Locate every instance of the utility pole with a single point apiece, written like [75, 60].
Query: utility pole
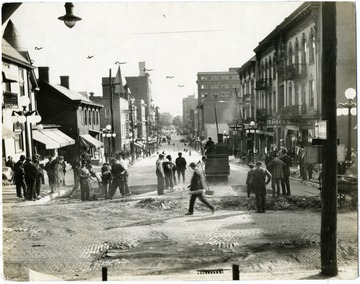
[112, 112]
[328, 236]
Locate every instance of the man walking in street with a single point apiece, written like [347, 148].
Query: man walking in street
[286, 170]
[180, 166]
[259, 184]
[197, 189]
[276, 169]
[160, 174]
[106, 179]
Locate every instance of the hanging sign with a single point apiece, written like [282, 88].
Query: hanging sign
[321, 129]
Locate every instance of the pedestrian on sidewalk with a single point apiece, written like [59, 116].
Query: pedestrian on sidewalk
[76, 165]
[117, 171]
[160, 174]
[39, 179]
[50, 173]
[84, 175]
[249, 185]
[122, 159]
[259, 175]
[59, 172]
[10, 164]
[30, 178]
[19, 177]
[276, 169]
[180, 166]
[197, 190]
[286, 171]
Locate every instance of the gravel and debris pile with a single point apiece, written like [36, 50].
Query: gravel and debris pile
[281, 203]
[153, 203]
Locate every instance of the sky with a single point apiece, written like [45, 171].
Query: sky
[175, 38]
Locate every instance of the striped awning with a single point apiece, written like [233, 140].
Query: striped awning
[90, 141]
[52, 138]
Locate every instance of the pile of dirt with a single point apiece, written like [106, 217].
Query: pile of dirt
[153, 203]
[248, 203]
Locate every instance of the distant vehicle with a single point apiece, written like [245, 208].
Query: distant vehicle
[183, 140]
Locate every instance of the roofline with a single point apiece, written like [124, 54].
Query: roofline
[279, 28]
[15, 60]
[78, 101]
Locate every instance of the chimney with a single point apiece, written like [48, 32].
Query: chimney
[44, 74]
[142, 68]
[64, 81]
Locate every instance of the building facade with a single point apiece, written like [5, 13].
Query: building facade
[77, 115]
[188, 104]
[218, 104]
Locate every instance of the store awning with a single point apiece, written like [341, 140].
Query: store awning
[268, 133]
[10, 76]
[88, 140]
[137, 144]
[7, 133]
[45, 139]
[58, 136]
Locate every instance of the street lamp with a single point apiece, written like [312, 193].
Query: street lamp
[348, 108]
[252, 128]
[132, 101]
[25, 116]
[106, 132]
[69, 18]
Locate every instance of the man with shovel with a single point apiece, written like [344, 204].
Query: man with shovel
[197, 190]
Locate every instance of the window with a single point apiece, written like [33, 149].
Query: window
[21, 83]
[107, 113]
[85, 116]
[304, 50]
[19, 145]
[312, 47]
[311, 93]
[296, 52]
[290, 61]
[290, 95]
[202, 87]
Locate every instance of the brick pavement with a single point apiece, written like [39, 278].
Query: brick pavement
[69, 244]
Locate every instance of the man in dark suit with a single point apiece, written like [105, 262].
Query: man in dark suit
[30, 178]
[197, 189]
[259, 184]
[286, 171]
[180, 166]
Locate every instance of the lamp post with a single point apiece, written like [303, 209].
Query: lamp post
[132, 101]
[348, 108]
[25, 116]
[106, 132]
[252, 128]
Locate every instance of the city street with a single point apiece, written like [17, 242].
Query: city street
[148, 237]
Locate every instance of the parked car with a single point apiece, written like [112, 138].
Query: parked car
[183, 140]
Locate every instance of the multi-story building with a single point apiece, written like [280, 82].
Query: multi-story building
[22, 133]
[188, 104]
[18, 85]
[77, 116]
[243, 140]
[288, 73]
[218, 104]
